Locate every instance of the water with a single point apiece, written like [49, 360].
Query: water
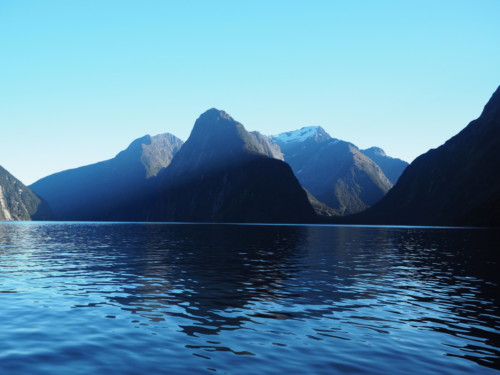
[228, 299]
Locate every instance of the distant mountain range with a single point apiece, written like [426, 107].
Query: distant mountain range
[456, 184]
[336, 172]
[96, 191]
[220, 155]
[17, 202]
[223, 173]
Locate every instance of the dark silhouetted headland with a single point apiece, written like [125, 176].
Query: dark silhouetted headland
[456, 184]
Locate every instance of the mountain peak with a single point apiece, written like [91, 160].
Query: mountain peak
[148, 144]
[214, 114]
[316, 133]
[392, 167]
[217, 140]
[224, 173]
[374, 151]
[215, 123]
[136, 145]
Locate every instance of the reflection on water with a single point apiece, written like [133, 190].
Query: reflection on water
[151, 298]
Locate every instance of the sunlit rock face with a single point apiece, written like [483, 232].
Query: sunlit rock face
[335, 172]
[18, 202]
[392, 167]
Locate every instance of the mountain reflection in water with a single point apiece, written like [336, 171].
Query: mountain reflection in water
[244, 299]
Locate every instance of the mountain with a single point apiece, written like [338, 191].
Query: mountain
[266, 146]
[225, 174]
[315, 134]
[17, 202]
[94, 191]
[336, 172]
[392, 167]
[456, 184]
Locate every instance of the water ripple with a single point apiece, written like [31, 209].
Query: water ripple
[161, 299]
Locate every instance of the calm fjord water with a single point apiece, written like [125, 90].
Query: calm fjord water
[243, 299]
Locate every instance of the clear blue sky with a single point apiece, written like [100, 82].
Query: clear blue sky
[79, 80]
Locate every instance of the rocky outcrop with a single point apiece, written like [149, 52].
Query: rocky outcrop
[18, 202]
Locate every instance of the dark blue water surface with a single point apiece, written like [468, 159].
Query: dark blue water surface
[247, 299]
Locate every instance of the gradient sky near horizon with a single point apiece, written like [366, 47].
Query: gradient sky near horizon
[80, 80]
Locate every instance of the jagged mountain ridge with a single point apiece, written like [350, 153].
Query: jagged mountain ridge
[153, 152]
[335, 172]
[18, 202]
[455, 184]
[94, 191]
[224, 174]
[315, 133]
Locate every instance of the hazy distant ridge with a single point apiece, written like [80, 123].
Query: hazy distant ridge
[335, 172]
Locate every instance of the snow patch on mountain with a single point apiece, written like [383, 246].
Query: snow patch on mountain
[300, 135]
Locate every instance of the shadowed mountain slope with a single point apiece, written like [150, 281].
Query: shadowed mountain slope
[94, 191]
[456, 184]
[224, 174]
